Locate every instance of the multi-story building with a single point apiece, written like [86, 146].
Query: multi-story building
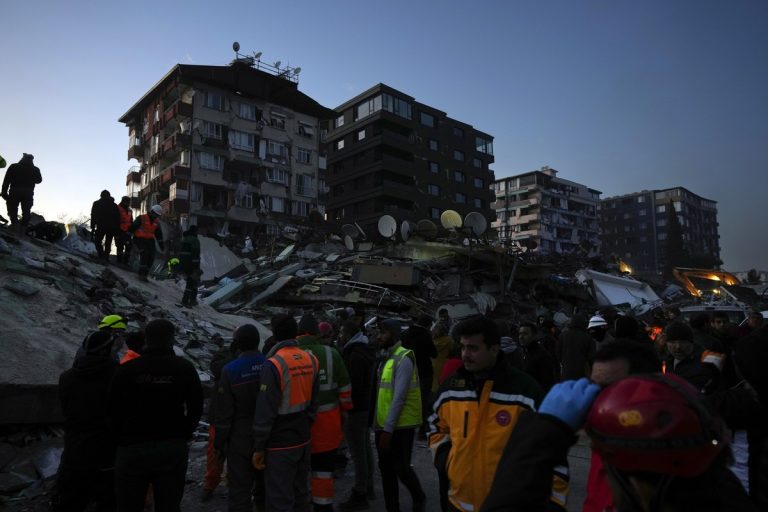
[546, 213]
[388, 154]
[230, 148]
[635, 227]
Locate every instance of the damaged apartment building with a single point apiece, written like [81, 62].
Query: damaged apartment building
[546, 213]
[233, 149]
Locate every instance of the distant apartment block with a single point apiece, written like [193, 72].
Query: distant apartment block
[230, 148]
[635, 227]
[389, 154]
[546, 213]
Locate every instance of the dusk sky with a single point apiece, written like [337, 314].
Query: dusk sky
[618, 95]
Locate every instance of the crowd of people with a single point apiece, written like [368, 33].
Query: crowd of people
[673, 410]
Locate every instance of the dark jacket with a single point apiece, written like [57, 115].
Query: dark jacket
[539, 364]
[360, 360]
[83, 392]
[419, 339]
[576, 349]
[703, 376]
[155, 397]
[189, 253]
[236, 396]
[105, 216]
[21, 178]
[219, 360]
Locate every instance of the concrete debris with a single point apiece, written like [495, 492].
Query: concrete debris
[22, 288]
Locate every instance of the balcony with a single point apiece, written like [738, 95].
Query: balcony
[174, 144]
[134, 176]
[306, 191]
[180, 109]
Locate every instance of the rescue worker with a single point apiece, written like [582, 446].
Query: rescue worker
[146, 229]
[475, 413]
[123, 238]
[396, 418]
[86, 472]
[282, 421]
[418, 338]
[114, 325]
[19, 189]
[537, 360]
[155, 403]
[236, 396]
[333, 403]
[190, 265]
[686, 359]
[105, 224]
[135, 343]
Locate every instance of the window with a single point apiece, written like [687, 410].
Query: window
[339, 121]
[434, 213]
[458, 132]
[211, 161]
[661, 236]
[361, 135]
[244, 201]
[433, 190]
[458, 155]
[459, 177]
[627, 215]
[395, 105]
[477, 163]
[277, 176]
[214, 100]
[640, 199]
[461, 198]
[241, 140]
[433, 144]
[643, 226]
[641, 213]
[196, 192]
[305, 185]
[277, 149]
[277, 204]
[478, 183]
[678, 206]
[246, 111]
[478, 203]
[300, 208]
[367, 108]
[427, 119]
[306, 130]
[484, 145]
[662, 208]
[304, 156]
[339, 144]
[212, 130]
[661, 222]
[277, 120]
[434, 167]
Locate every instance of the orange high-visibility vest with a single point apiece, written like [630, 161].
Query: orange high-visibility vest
[297, 370]
[147, 228]
[126, 218]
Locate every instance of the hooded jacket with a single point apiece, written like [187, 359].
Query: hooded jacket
[360, 359]
[88, 439]
[104, 215]
[21, 178]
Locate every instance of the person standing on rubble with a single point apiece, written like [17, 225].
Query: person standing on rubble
[155, 403]
[236, 395]
[397, 416]
[419, 339]
[19, 189]
[105, 224]
[576, 349]
[86, 472]
[282, 421]
[333, 404]
[537, 361]
[189, 259]
[123, 238]
[146, 230]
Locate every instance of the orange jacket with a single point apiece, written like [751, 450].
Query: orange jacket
[126, 218]
[147, 227]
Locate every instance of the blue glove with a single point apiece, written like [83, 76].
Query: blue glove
[570, 401]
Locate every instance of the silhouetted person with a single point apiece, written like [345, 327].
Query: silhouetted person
[19, 188]
[105, 223]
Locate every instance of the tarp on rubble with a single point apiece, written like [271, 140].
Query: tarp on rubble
[216, 260]
[611, 290]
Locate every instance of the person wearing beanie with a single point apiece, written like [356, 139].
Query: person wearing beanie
[19, 189]
[626, 328]
[684, 359]
[326, 333]
[397, 415]
[155, 403]
[105, 224]
[334, 401]
[122, 238]
[86, 472]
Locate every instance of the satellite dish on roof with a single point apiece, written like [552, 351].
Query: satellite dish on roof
[349, 243]
[350, 230]
[387, 226]
[476, 222]
[450, 219]
[362, 233]
[236, 46]
[426, 228]
[406, 228]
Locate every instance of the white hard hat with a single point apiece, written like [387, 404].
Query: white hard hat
[157, 210]
[597, 321]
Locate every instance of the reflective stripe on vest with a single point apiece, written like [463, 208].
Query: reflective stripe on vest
[297, 370]
[126, 217]
[410, 415]
[147, 228]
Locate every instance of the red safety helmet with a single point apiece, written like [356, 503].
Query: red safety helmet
[654, 424]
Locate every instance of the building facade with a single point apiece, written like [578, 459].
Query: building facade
[233, 149]
[388, 154]
[546, 213]
[636, 227]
